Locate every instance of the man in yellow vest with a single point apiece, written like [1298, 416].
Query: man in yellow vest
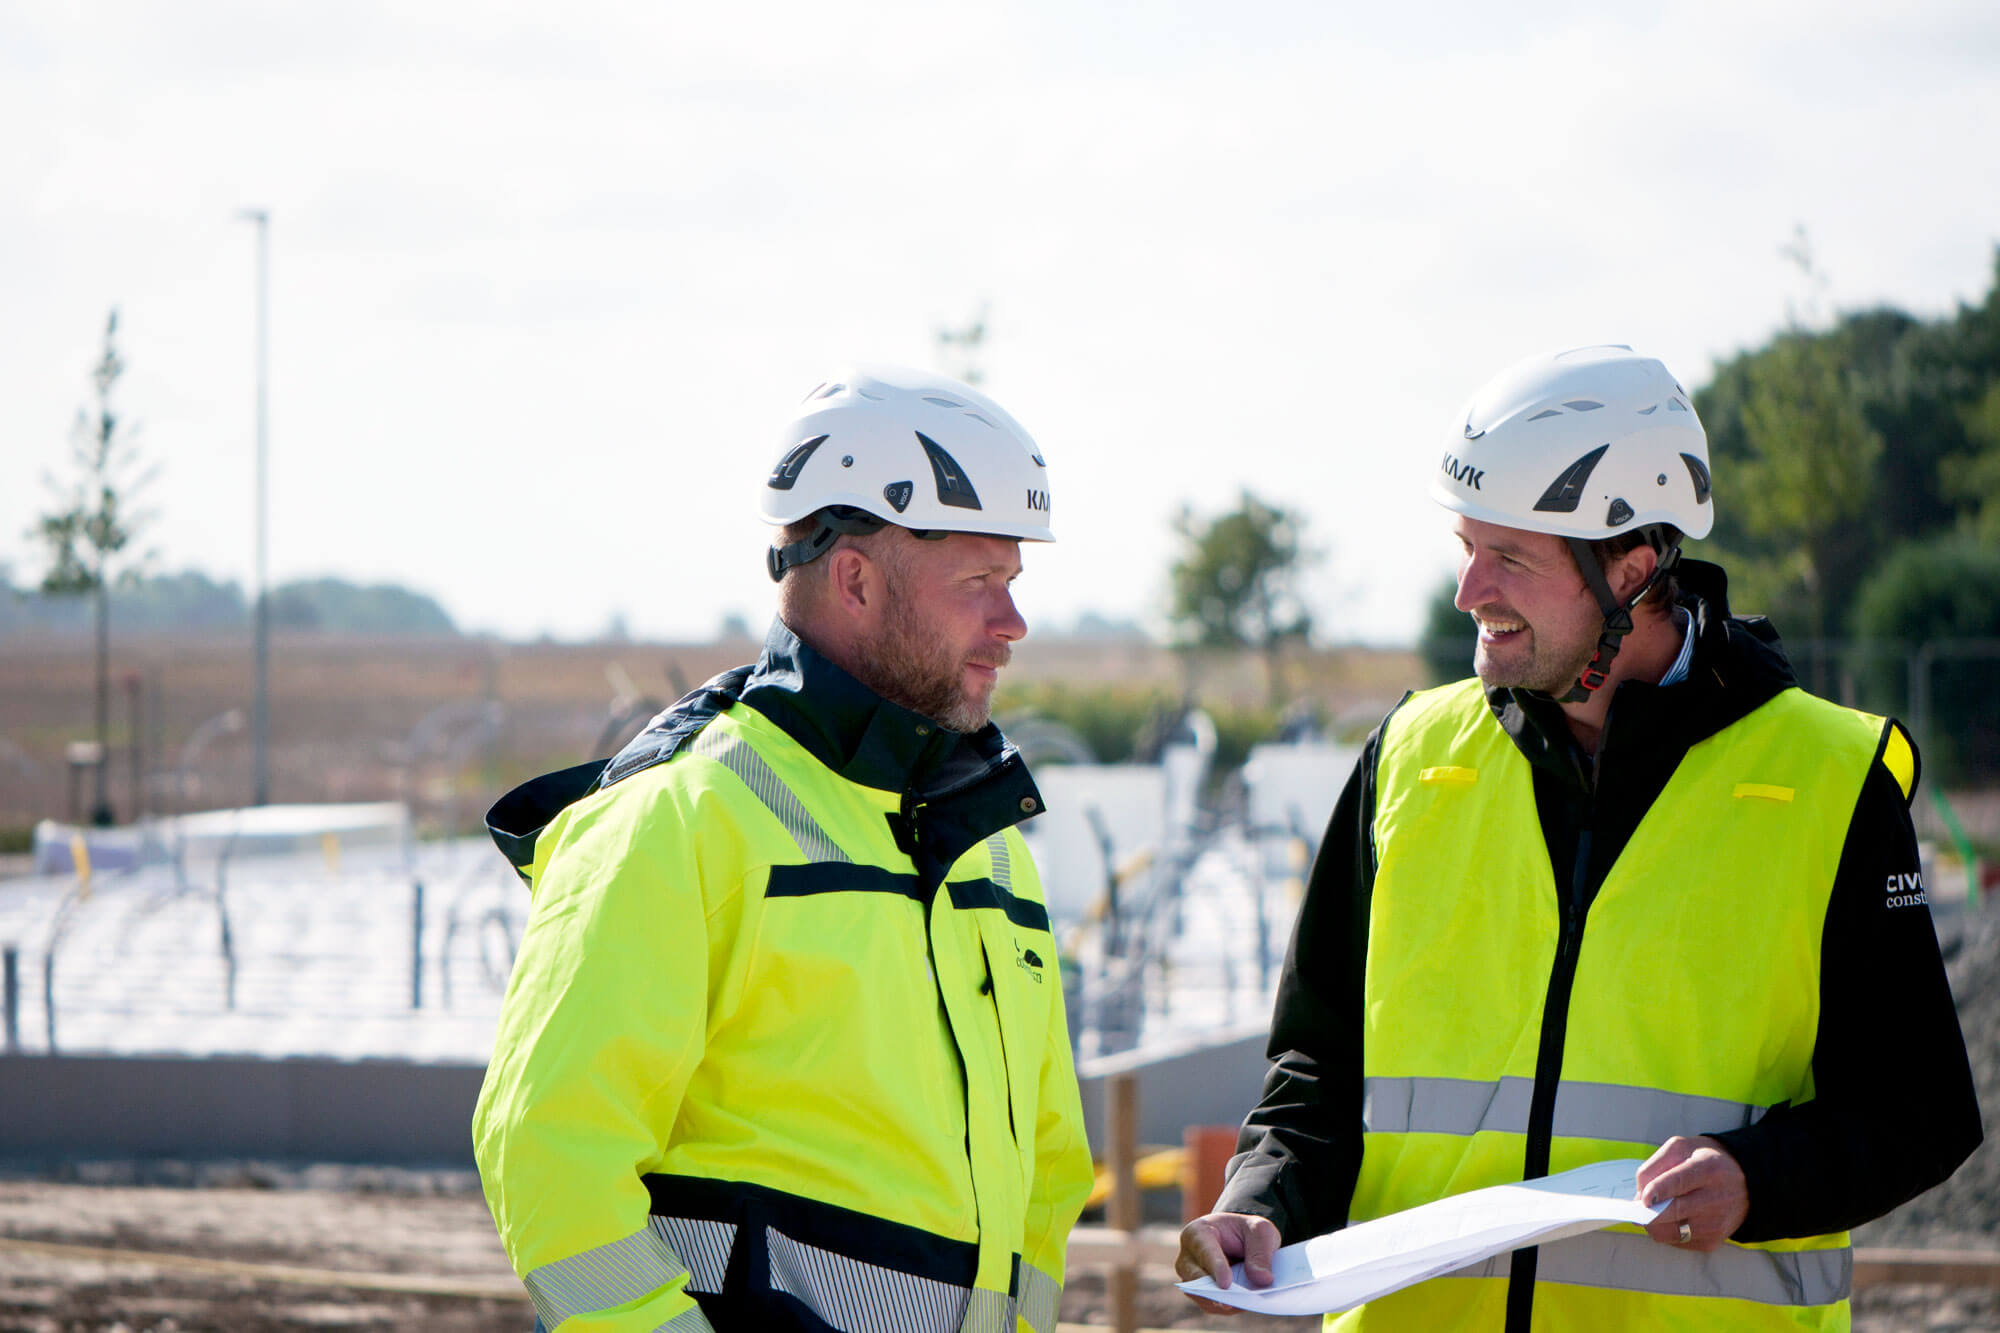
[1629, 893]
[784, 1047]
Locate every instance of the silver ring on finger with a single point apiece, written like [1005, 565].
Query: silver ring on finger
[1686, 1235]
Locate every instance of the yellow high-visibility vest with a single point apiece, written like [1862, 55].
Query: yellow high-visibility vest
[1694, 1006]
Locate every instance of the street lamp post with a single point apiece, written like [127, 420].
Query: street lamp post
[260, 713]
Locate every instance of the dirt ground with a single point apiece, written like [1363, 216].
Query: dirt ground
[440, 1236]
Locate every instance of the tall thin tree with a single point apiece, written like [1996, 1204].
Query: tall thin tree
[89, 534]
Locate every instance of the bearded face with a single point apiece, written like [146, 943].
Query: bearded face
[948, 626]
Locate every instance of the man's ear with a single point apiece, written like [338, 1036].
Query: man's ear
[1630, 571]
[855, 582]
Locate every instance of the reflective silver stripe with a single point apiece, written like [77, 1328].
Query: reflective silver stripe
[862, 1297]
[598, 1279]
[988, 1312]
[734, 753]
[1627, 1261]
[1040, 1295]
[1583, 1110]
[1003, 865]
[703, 1246]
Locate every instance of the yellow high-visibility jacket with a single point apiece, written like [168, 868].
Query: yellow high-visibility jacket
[785, 1045]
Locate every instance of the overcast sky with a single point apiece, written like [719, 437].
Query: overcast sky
[547, 280]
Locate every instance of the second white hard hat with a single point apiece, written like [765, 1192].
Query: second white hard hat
[1588, 443]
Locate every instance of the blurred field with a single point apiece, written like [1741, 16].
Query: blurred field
[343, 709]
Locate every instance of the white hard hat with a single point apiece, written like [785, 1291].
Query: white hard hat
[907, 447]
[1588, 443]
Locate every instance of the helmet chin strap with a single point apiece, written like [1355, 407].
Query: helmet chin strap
[1617, 616]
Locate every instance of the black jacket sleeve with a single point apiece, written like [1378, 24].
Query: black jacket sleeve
[1300, 1149]
[1893, 1110]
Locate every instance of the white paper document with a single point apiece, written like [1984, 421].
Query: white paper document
[1340, 1270]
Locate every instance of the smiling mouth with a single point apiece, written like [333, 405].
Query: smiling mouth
[1496, 629]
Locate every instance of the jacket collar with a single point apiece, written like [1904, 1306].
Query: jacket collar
[857, 733]
[1738, 665]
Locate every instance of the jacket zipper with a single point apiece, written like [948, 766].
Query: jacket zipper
[1548, 1067]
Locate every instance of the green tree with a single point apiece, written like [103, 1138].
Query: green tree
[1235, 583]
[1927, 596]
[1811, 470]
[1972, 479]
[89, 534]
[1449, 637]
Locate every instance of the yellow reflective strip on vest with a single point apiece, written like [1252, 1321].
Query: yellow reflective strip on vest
[1899, 759]
[850, 1293]
[1763, 791]
[735, 754]
[600, 1278]
[1582, 1111]
[1463, 777]
[1632, 1261]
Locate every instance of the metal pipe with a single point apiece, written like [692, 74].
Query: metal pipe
[417, 944]
[10, 966]
[260, 782]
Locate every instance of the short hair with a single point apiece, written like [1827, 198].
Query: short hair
[1662, 537]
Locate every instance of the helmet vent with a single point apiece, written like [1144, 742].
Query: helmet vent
[830, 390]
[1648, 411]
[873, 397]
[982, 421]
[786, 474]
[1038, 460]
[1582, 405]
[1699, 471]
[1676, 405]
[942, 402]
[1563, 493]
[954, 488]
[1544, 416]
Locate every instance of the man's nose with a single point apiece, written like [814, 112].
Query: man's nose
[1007, 622]
[1475, 585]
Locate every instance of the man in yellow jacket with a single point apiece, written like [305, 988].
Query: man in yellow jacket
[785, 1046]
[1631, 893]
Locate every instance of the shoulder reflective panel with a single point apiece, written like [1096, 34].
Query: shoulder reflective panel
[735, 754]
[1003, 866]
[609, 1275]
[1632, 1261]
[1900, 759]
[1583, 1110]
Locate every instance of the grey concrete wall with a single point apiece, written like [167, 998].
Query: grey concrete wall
[1213, 1084]
[389, 1111]
[379, 1111]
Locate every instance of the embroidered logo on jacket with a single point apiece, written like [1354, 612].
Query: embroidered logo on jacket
[1028, 961]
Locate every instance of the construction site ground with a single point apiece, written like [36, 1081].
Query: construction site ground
[396, 1253]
